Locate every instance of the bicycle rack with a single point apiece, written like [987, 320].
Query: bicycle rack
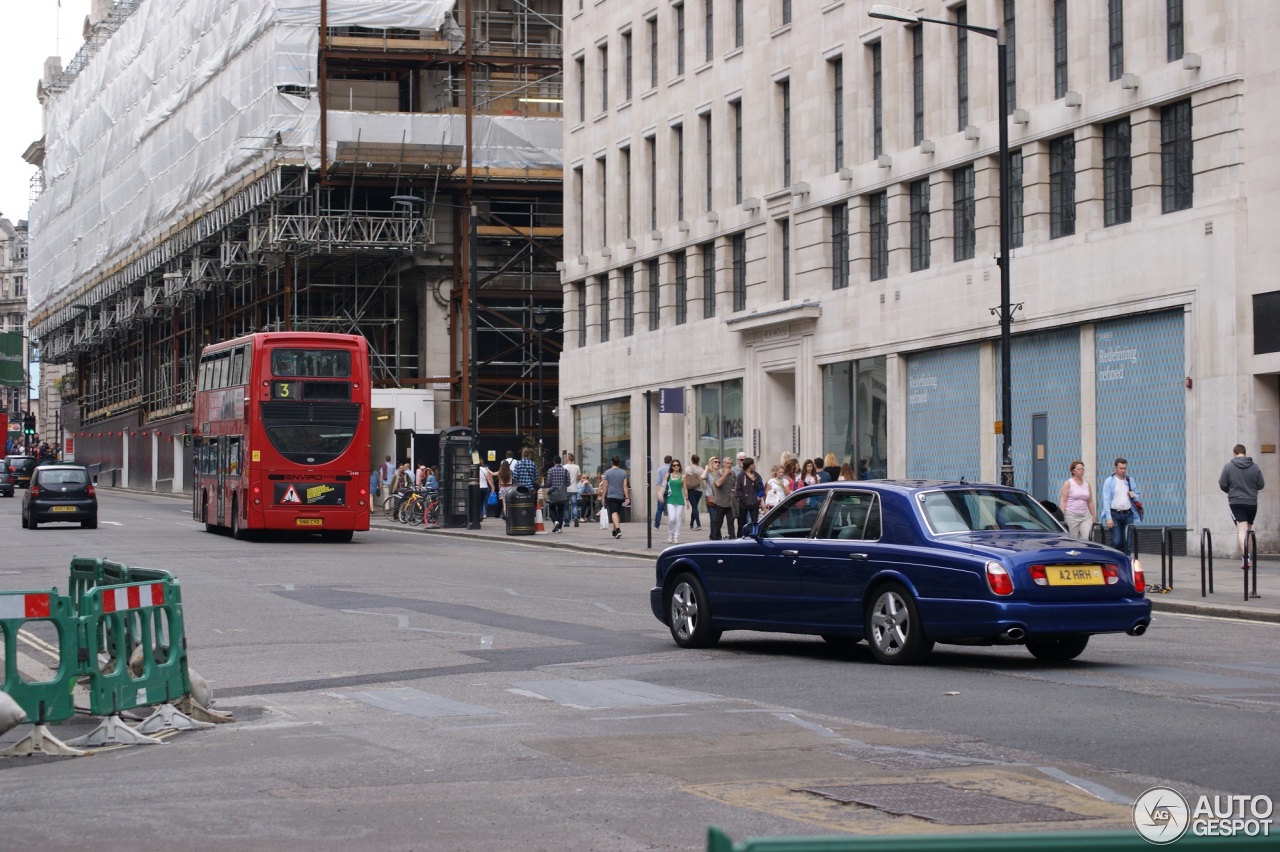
[1206, 553]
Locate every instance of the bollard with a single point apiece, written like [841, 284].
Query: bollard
[1166, 545]
[1251, 547]
[48, 701]
[1164, 556]
[1206, 552]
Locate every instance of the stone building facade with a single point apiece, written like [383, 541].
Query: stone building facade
[13, 300]
[789, 212]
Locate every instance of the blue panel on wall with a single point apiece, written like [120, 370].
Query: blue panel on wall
[1142, 410]
[943, 428]
[1046, 380]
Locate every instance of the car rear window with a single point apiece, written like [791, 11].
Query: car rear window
[22, 463]
[63, 477]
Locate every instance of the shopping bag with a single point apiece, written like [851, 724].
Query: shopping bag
[604, 519]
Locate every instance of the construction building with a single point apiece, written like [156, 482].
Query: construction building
[211, 168]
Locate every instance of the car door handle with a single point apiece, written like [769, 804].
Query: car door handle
[858, 556]
[790, 553]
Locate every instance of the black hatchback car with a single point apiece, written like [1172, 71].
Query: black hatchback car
[60, 493]
[20, 468]
[6, 481]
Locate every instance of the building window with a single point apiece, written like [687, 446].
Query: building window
[682, 287]
[602, 181]
[839, 246]
[919, 224]
[628, 301]
[625, 153]
[1059, 48]
[739, 244]
[1015, 199]
[1062, 187]
[878, 210]
[735, 109]
[855, 415]
[678, 132]
[917, 84]
[1115, 37]
[719, 413]
[655, 294]
[580, 71]
[1177, 179]
[1117, 172]
[1173, 34]
[962, 184]
[786, 12]
[1011, 82]
[680, 39]
[877, 101]
[604, 78]
[739, 27]
[962, 68]
[603, 281]
[627, 63]
[579, 203]
[601, 431]
[651, 145]
[784, 95]
[709, 29]
[784, 237]
[837, 111]
[653, 52]
[708, 279]
[707, 161]
[582, 313]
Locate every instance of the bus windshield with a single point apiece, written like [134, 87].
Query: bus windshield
[311, 363]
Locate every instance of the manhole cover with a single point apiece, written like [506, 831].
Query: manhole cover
[942, 804]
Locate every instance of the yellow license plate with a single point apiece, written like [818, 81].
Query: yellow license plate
[62, 508]
[309, 522]
[1075, 575]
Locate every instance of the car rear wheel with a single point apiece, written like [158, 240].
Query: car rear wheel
[1057, 650]
[894, 631]
[24, 520]
[689, 614]
[89, 525]
[32, 523]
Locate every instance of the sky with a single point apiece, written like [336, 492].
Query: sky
[30, 32]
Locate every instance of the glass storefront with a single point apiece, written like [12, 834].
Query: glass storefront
[855, 415]
[602, 430]
[719, 419]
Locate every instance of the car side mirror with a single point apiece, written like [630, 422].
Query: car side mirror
[751, 531]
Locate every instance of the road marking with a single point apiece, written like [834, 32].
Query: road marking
[638, 716]
[288, 587]
[402, 623]
[1221, 618]
[1106, 794]
[111, 523]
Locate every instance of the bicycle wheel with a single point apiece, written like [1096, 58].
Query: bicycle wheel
[391, 507]
[433, 514]
[415, 513]
[406, 508]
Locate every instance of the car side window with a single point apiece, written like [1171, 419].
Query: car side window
[852, 516]
[794, 518]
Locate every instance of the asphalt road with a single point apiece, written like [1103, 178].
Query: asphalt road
[411, 691]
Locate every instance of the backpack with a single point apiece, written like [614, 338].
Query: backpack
[556, 495]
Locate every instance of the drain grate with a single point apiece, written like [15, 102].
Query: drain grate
[941, 803]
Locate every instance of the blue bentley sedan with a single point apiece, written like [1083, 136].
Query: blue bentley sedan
[904, 564]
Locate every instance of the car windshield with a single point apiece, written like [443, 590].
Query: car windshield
[959, 510]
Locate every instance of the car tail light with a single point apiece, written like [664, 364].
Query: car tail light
[998, 579]
[92, 493]
[35, 490]
[1139, 581]
[1111, 573]
[1038, 574]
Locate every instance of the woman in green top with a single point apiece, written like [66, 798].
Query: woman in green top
[675, 498]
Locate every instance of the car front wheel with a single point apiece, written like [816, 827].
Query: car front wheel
[1057, 650]
[894, 631]
[689, 614]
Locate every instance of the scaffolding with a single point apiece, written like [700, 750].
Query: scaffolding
[364, 229]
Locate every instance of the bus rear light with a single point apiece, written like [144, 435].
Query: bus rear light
[257, 489]
[998, 579]
[257, 501]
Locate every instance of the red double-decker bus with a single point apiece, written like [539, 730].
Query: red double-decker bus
[282, 434]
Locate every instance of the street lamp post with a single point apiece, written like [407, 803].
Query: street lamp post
[1005, 310]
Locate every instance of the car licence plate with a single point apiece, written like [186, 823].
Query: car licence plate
[309, 522]
[1074, 575]
[62, 508]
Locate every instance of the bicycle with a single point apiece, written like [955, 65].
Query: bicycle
[420, 504]
[391, 506]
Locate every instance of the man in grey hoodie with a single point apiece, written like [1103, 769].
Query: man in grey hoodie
[1241, 480]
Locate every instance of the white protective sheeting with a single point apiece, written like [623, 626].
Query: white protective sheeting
[184, 105]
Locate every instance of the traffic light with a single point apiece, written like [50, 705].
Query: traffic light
[29, 424]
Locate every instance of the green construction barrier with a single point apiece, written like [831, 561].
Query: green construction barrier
[1050, 841]
[114, 621]
[46, 701]
[87, 572]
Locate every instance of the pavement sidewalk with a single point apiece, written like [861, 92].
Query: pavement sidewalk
[642, 541]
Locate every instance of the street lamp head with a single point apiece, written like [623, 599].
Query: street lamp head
[893, 13]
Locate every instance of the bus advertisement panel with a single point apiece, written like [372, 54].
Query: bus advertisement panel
[282, 434]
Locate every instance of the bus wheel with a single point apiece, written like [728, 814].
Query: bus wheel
[237, 532]
[204, 516]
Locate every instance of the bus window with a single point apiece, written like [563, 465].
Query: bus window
[233, 456]
[237, 367]
[311, 363]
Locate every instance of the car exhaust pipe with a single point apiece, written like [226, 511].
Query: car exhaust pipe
[1137, 630]
[1014, 634]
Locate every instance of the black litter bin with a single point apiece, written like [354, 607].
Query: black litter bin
[522, 510]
